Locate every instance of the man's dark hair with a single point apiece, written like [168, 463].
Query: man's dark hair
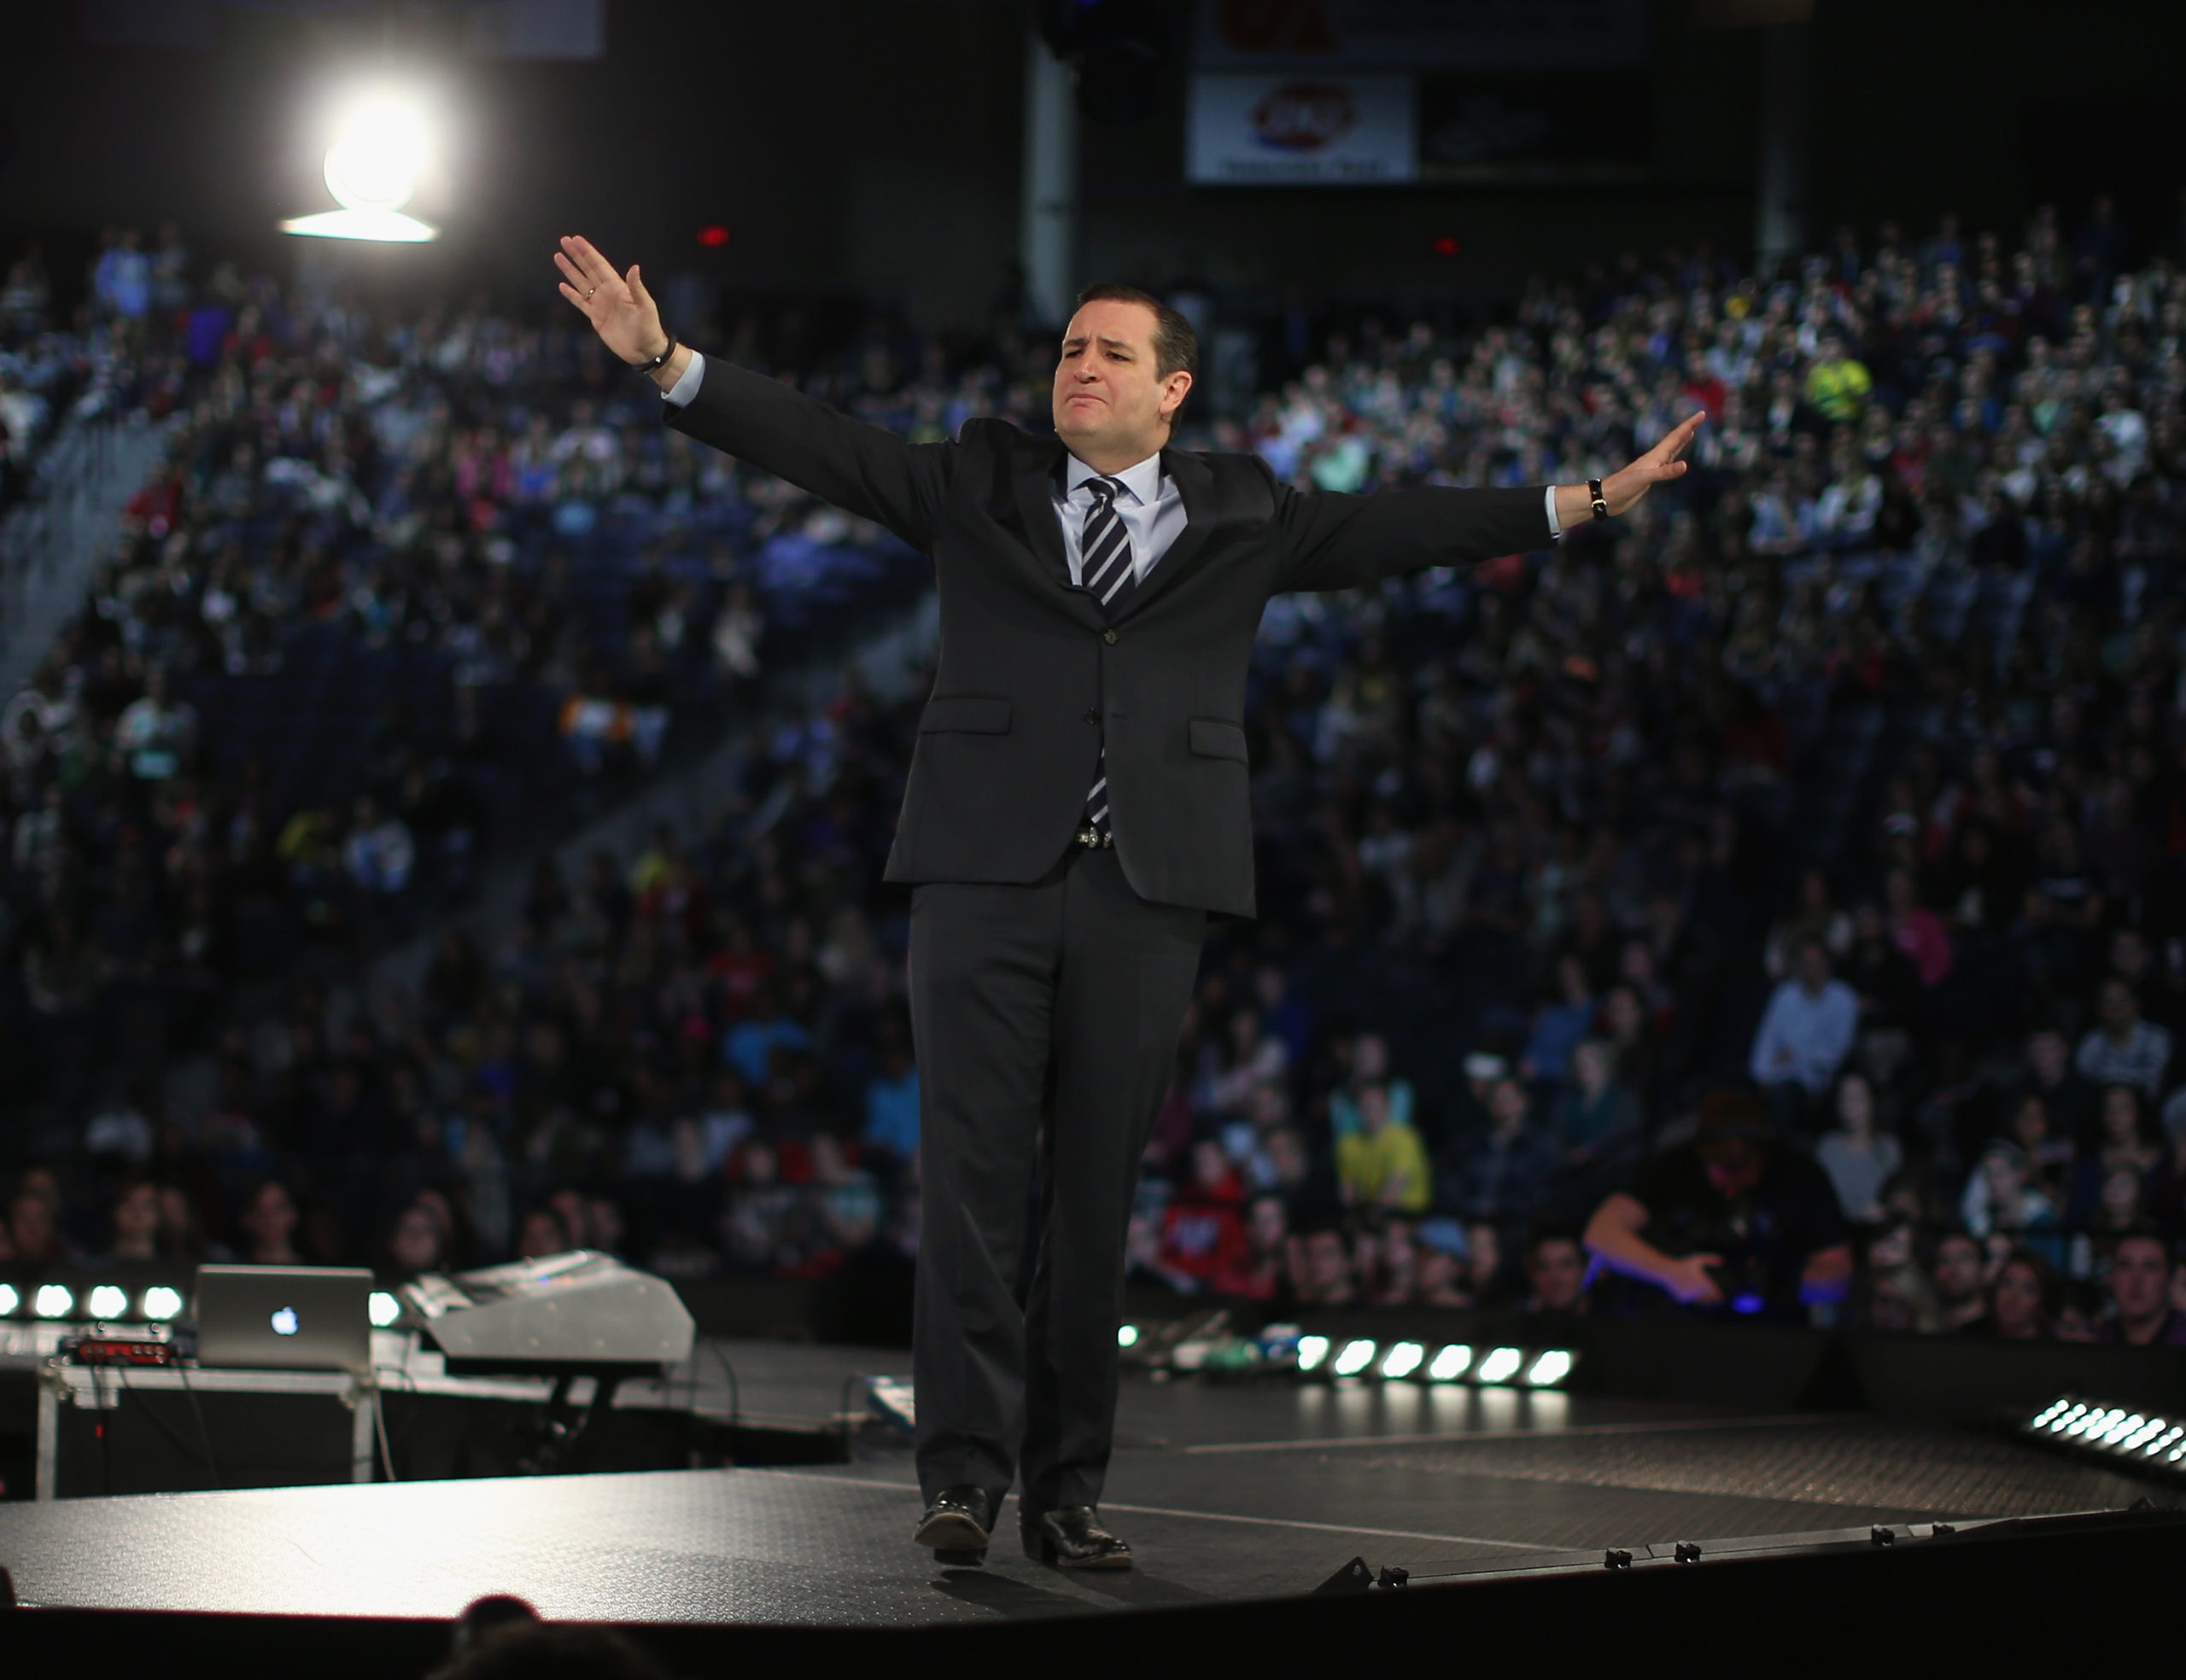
[1548, 1229]
[1176, 346]
[2142, 1230]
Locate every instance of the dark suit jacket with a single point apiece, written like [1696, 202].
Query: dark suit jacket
[1030, 676]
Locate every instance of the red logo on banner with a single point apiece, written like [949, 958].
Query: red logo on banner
[1304, 116]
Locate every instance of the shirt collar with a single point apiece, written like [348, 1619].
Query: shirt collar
[1143, 480]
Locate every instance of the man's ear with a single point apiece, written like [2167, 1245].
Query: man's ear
[1173, 389]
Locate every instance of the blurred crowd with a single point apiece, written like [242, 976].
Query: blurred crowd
[402, 589]
[1835, 794]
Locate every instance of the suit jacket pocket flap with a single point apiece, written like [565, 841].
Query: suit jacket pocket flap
[966, 714]
[1217, 737]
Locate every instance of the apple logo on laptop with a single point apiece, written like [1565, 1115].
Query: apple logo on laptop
[285, 1322]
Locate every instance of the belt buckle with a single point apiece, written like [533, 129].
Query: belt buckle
[1089, 837]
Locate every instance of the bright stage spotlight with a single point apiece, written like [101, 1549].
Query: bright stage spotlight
[371, 169]
[383, 1308]
[1312, 1351]
[1451, 1363]
[54, 1300]
[9, 1299]
[108, 1301]
[1549, 1369]
[1355, 1357]
[162, 1302]
[1402, 1360]
[1500, 1366]
[1126, 1335]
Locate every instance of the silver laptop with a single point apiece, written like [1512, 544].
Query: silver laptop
[285, 1318]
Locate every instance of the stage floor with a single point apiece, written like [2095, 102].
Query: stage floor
[1225, 1493]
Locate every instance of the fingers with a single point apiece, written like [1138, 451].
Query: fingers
[596, 268]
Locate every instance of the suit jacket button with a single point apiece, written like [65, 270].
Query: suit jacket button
[1109, 636]
[1092, 714]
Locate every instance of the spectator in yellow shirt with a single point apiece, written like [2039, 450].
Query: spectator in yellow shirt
[1837, 384]
[1383, 1164]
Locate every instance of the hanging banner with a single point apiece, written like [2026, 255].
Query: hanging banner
[1468, 35]
[1302, 131]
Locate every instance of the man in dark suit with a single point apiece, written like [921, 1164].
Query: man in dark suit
[1077, 807]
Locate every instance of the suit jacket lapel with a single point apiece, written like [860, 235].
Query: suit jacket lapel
[1195, 484]
[1033, 470]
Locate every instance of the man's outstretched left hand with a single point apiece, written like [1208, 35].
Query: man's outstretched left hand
[1621, 490]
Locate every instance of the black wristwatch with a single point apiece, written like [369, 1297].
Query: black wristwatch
[1594, 490]
[648, 367]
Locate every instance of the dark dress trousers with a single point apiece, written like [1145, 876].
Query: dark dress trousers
[1048, 984]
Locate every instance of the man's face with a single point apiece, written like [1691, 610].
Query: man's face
[1813, 968]
[1324, 1261]
[2140, 1277]
[1958, 1268]
[1557, 1270]
[2118, 1008]
[1108, 398]
[2045, 1052]
[1733, 1166]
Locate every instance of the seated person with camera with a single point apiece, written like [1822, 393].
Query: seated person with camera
[1731, 1222]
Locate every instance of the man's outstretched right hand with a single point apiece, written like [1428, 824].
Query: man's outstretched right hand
[618, 306]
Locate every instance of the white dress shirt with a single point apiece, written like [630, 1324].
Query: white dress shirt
[1152, 509]
[1153, 512]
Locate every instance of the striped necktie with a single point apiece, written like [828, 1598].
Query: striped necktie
[1108, 574]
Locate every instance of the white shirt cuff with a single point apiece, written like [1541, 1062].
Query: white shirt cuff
[687, 386]
[1548, 496]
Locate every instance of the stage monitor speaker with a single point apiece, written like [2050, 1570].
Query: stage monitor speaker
[581, 1311]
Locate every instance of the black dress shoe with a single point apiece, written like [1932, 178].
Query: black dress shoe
[957, 1525]
[1071, 1537]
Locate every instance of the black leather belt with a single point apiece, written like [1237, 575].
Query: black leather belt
[1093, 840]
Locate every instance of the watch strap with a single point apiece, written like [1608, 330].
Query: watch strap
[648, 367]
[1594, 491]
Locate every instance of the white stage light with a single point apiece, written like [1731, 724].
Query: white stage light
[1312, 1351]
[1450, 1364]
[1403, 1360]
[383, 1308]
[1550, 1369]
[108, 1301]
[9, 1300]
[371, 169]
[1501, 1365]
[1355, 1357]
[53, 1300]
[162, 1302]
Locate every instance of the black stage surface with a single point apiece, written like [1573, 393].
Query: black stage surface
[1227, 1493]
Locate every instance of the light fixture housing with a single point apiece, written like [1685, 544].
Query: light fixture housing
[1355, 1357]
[2149, 1441]
[1450, 1363]
[107, 1302]
[161, 1304]
[1402, 1360]
[371, 169]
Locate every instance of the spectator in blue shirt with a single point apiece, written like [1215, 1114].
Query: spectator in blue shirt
[891, 1110]
[1804, 1037]
[750, 1044]
[1561, 1022]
